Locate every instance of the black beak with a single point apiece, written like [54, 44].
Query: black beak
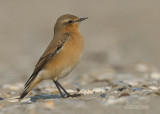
[82, 19]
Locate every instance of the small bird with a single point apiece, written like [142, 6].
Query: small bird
[61, 56]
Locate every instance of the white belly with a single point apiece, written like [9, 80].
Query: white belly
[65, 72]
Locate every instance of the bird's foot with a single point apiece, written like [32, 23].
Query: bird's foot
[74, 95]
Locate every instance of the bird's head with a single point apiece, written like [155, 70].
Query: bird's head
[68, 23]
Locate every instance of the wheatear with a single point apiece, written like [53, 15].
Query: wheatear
[61, 56]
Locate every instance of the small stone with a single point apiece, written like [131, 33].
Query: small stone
[85, 91]
[157, 92]
[49, 104]
[153, 87]
[27, 100]
[16, 99]
[136, 94]
[98, 90]
[1, 98]
[154, 93]
[71, 91]
[78, 89]
[120, 84]
[133, 84]
[115, 92]
[135, 89]
[120, 89]
[108, 88]
[103, 95]
[12, 99]
[144, 85]
[124, 94]
[146, 92]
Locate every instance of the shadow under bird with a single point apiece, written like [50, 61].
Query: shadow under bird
[61, 56]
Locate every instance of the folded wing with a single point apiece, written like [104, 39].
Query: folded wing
[51, 51]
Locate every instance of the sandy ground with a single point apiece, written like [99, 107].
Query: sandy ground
[119, 72]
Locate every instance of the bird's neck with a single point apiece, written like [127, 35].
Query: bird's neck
[67, 30]
[72, 28]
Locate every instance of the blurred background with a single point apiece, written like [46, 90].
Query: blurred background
[117, 33]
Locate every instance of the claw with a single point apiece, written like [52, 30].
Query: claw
[74, 95]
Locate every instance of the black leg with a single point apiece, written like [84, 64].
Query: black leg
[68, 95]
[58, 88]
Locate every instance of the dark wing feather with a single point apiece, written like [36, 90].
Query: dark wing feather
[52, 50]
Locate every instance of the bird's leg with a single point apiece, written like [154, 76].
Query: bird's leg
[59, 89]
[59, 86]
[68, 95]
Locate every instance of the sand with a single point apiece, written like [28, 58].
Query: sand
[119, 71]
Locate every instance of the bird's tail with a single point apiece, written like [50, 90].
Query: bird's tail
[29, 88]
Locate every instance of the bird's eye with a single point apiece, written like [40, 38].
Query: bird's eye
[70, 21]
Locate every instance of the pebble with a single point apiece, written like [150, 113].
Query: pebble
[153, 87]
[108, 88]
[71, 91]
[133, 83]
[28, 100]
[98, 90]
[78, 89]
[135, 89]
[119, 84]
[85, 91]
[12, 99]
[120, 89]
[103, 95]
[1, 98]
[115, 92]
[15, 99]
[137, 93]
[124, 94]
[145, 92]
[157, 92]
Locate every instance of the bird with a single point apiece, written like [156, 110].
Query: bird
[60, 57]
